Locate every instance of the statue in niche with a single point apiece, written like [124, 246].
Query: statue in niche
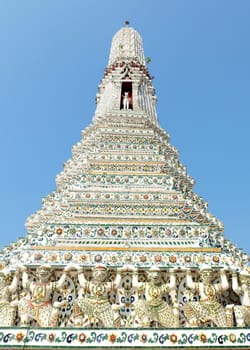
[37, 303]
[125, 100]
[152, 309]
[207, 308]
[242, 312]
[92, 307]
[7, 305]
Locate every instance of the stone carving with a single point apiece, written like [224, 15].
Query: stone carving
[153, 310]
[242, 312]
[198, 313]
[92, 307]
[37, 303]
[7, 305]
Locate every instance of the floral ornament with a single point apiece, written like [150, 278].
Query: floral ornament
[172, 259]
[113, 258]
[182, 232]
[216, 259]
[203, 338]
[59, 231]
[52, 257]
[68, 256]
[83, 257]
[82, 337]
[38, 256]
[157, 258]
[173, 338]
[98, 258]
[100, 232]
[86, 231]
[232, 338]
[51, 337]
[143, 338]
[112, 338]
[168, 232]
[19, 336]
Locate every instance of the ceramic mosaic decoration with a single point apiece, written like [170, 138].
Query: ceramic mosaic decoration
[123, 254]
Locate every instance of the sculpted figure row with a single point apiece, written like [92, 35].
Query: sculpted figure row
[154, 300]
[36, 298]
[96, 307]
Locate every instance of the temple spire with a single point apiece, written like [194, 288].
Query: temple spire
[124, 220]
[127, 84]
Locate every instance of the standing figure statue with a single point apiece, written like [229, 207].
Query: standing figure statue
[242, 312]
[208, 308]
[37, 304]
[7, 306]
[153, 309]
[92, 305]
[125, 101]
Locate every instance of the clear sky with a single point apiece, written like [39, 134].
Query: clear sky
[53, 55]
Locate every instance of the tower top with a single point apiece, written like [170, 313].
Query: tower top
[127, 85]
[127, 45]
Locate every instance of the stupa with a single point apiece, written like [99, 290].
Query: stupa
[124, 254]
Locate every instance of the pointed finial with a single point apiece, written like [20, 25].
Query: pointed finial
[127, 23]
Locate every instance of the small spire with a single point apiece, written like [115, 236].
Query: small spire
[126, 23]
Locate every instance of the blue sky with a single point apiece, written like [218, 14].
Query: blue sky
[53, 55]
